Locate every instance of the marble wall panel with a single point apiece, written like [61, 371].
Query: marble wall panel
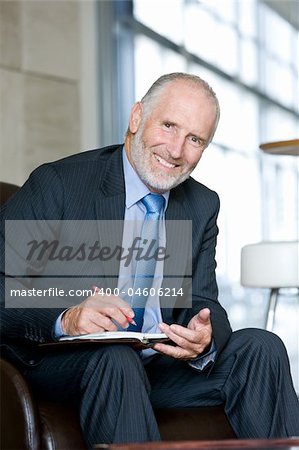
[51, 38]
[52, 122]
[10, 34]
[11, 127]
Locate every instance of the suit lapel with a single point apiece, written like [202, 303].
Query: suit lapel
[110, 207]
[178, 210]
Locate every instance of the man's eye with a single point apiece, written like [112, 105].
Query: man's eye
[195, 141]
[167, 124]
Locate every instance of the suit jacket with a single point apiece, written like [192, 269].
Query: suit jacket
[89, 186]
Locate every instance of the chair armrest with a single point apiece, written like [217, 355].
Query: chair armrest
[19, 419]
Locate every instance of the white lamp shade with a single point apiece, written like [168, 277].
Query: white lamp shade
[270, 264]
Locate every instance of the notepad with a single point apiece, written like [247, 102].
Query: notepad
[119, 336]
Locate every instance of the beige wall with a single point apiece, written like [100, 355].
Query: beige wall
[44, 96]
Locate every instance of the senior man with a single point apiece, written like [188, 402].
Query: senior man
[114, 387]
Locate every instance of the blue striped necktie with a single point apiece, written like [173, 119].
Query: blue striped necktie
[145, 270]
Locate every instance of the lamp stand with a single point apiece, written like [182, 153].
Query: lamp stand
[271, 309]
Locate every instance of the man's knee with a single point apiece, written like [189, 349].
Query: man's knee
[258, 341]
[116, 369]
[116, 359]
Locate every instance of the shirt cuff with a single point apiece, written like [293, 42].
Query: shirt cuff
[201, 362]
[58, 327]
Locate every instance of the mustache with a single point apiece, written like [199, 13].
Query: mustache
[167, 157]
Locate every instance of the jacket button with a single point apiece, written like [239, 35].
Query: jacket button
[31, 362]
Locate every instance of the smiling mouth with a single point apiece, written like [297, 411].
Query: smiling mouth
[164, 163]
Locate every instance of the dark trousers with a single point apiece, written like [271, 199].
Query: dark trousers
[115, 392]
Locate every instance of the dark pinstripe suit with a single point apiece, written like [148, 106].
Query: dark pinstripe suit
[109, 385]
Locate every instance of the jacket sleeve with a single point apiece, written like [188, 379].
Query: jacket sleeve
[204, 284]
[34, 201]
[204, 288]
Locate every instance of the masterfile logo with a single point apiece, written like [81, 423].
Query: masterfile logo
[141, 249]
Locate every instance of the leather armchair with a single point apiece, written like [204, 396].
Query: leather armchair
[29, 423]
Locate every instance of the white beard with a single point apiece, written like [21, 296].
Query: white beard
[156, 180]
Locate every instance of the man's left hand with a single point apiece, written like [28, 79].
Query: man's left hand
[191, 341]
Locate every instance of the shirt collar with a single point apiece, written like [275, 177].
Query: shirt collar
[135, 188]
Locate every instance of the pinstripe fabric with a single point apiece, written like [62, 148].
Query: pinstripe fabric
[107, 385]
[251, 373]
[251, 377]
[115, 395]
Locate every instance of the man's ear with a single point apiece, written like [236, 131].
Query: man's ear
[135, 117]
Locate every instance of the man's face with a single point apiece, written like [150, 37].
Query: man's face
[166, 145]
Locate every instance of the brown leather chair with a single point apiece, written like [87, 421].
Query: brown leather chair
[29, 423]
[6, 191]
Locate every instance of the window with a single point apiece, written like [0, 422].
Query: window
[249, 56]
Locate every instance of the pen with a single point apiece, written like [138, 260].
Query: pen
[129, 319]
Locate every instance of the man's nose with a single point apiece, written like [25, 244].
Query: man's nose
[176, 146]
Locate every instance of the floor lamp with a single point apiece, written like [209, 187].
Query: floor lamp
[272, 265]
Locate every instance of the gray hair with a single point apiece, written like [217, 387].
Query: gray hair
[150, 97]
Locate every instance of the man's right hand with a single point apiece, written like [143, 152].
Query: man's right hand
[95, 314]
